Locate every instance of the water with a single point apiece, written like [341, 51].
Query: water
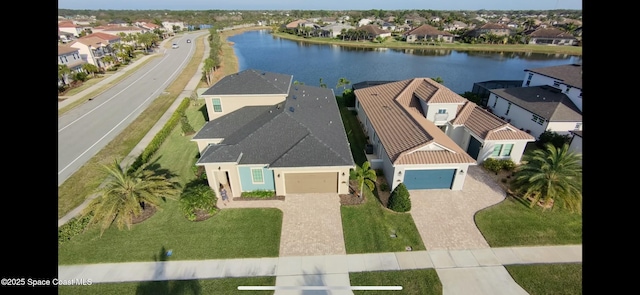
[309, 62]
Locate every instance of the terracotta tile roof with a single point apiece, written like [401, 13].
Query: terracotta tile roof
[570, 74]
[67, 24]
[397, 117]
[551, 33]
[372, 29]
[66, 49]
[487, 126]
[121, 28]
[103, 36]
[93, 41]
[427, 30]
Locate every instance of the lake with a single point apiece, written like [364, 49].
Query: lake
[308, 63]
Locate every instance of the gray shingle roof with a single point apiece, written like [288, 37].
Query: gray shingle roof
[570, 74]
[230, 124]
[306, 131]
[545, 101]
[251, 82]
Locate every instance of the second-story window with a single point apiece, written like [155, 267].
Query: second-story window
[508, 108]
[442, 111]
[217, 105]
[529, 79]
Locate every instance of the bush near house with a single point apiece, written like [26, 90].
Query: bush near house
[197, 196]
[399, 200]
[554, 138]
[259, 194]
[492, 165]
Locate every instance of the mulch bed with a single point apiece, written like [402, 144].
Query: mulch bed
[202, 215]
[350, 199]
[147, 212]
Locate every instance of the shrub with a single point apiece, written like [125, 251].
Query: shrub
[260, 194]
[379, 172]
[399, 200]
[554, 138]
[72, 228]
[492, 165]
[197, 195]
[384, 187]
[187, 129]
[507, 164]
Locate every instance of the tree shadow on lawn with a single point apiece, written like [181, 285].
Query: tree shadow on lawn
[159, 286]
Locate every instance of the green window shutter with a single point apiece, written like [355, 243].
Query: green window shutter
[496, 150]
[217, 106]
[507, 149]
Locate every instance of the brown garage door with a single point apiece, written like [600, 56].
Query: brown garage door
[301, 183]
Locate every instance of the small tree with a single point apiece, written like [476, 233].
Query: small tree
[197, 196]
[492, 165]
[399, 200]
[364, 176]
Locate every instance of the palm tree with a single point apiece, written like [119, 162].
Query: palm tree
[63, 73]
[126, 194]
[364, 176]
[343, 82]
[551, 174]
[90, 68]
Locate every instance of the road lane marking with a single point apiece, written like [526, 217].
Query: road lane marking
[122, 121]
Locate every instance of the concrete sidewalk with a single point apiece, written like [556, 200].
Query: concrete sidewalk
[333, 270]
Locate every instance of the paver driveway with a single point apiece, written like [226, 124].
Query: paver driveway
[311, 223]
[445, 218]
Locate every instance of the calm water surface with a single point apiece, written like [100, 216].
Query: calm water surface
[309, 62]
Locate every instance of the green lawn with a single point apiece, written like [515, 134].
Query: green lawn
[540, 279]
[513, 223]
[418, 282]
[182, 287]
[355, 134]
[231, 233]
[367, 228]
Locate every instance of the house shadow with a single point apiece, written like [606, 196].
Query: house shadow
[158, 286]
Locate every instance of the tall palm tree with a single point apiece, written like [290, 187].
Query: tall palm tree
[63, 73]
[364, 176]
[551, 174]
[126, 193]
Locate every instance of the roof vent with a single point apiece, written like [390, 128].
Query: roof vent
[296, 88]
[294, 96]
[374, 94]
[263, 73]
[291, 109]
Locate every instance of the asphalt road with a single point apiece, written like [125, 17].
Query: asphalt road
[86, 129]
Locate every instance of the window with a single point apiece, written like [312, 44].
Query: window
[578, 126]
[537, 119]
[508, 108]
[503, 150]
[496, 150]
[568, 89]
[442, 111]
[495, 101]
[529, 79]
[506, 150]
[556, 83]
[256, 176]
[217, 106]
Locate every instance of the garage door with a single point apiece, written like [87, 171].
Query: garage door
[302, 183]
[428, 179]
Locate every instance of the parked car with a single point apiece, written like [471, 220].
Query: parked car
[188, 40]
[174, 46]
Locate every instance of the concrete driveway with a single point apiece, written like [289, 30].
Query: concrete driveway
[445, 218]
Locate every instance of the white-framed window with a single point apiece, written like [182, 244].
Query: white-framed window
[217, 105]
[495, 101]
[508, 108]
[529, 79]
[502, 150]
[556, 83]
[256, 176]
[442, 111]
[578, 125]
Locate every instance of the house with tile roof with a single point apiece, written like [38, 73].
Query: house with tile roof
[94, 47]
[550, 99]
[70, 27]
[425, 33]
[551, 36]
[373, 32]
[426, 136]
[266, 133]
[491, 28]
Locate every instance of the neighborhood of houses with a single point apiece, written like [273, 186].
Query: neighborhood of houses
[420, 133]
[81, 41]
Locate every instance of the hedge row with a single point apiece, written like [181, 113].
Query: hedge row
[157, 141]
